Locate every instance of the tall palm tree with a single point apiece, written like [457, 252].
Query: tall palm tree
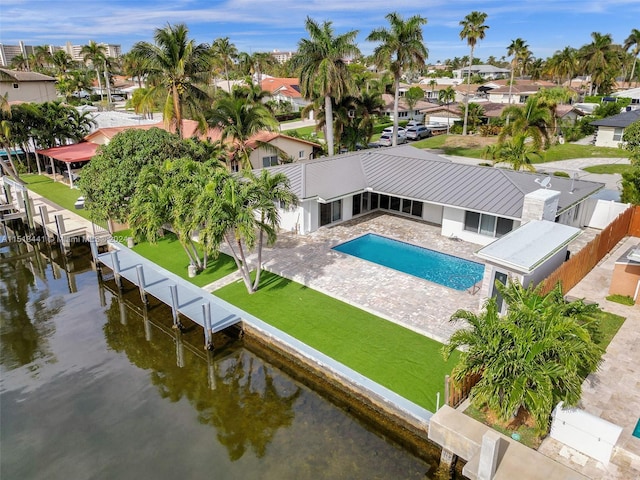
[20, 62]
[564, 63]
[633, 40]
[176, 63]
[515, 50]
[601, 59]
[533, 120]
[95, 54]
[323, 71]
[401, 48]
[473, 29]
[267, 190]
[133, 67]
[240, 118]
[226, 53]
[62, 62]
[447, 96]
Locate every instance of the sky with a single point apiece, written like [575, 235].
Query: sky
[267, 25]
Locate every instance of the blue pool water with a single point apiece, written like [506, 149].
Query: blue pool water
[447, 270]
[636, 431]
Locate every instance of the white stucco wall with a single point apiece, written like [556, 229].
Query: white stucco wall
[544, 270]
[38, 92]
[600, 213]
[291, 147]
[604, 137]
[432, 213]
[292, 219]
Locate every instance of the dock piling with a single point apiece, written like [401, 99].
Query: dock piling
[116, 268]
[141, 284]
[174, 307]
[206, 318]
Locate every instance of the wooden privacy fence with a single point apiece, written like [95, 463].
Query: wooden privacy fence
[577, 267]
[457, 392]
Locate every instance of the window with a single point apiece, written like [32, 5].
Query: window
[406, 206]
[15, 85]
[416, 209]
[576, 211]
[301, 154]
[357, 201]
[617, 134]
[394, 204]
[374, 200]
[498, 277]
[270, 161]
[330, 212]
[488, 225]
[384, 202]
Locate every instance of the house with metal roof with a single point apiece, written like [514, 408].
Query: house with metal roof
[472, 203]
[611, 129]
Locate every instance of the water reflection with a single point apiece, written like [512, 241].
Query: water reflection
[123, 395]
[27, 306]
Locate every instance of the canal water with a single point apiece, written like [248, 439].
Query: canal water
[93, 386]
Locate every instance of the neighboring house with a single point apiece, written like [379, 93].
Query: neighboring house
[521, 90]
[404, 112]
[27, 86]
[293, 149]
[285, 90]
[611, 129]
[471, 203]
[488, 72]
[447, 114]
[632, 93]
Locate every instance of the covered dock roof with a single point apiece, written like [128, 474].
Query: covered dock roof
[78, 152]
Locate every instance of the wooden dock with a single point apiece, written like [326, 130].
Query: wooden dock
[183, 297]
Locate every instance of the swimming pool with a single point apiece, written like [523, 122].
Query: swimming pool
[447, 270]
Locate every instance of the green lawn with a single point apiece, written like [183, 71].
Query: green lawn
[400, 359]
[609, 168]
[610, 323]
[169, 254]
[59, 193]
[555, 153]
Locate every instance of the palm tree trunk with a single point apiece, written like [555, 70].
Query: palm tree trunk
[466, 97]
[176, 109]
[328, 114]
[238, 257]
[396, 102]
[99, 83]
[259, 266]
[511, 81]
[633, 70]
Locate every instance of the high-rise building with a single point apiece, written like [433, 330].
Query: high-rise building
[9, 52]
[282, 57]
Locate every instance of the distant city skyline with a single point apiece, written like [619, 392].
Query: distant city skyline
[267, 25]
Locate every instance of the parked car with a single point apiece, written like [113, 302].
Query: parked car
[414, 123]
[386, 139]
[117, 98]
[402, 132]
[418, 133]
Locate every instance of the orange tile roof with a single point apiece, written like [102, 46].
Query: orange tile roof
[285, 86]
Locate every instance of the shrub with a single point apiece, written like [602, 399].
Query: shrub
[490, 130]
[561, 174]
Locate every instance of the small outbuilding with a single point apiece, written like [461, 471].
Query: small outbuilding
[626, 275]
[528, 254]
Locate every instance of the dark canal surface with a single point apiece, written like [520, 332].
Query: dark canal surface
[89, 389]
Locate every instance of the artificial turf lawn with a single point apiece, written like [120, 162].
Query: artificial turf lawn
[169, 254]
[405, 362]
[59, 193]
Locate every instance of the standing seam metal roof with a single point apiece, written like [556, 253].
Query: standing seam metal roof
[411, 173]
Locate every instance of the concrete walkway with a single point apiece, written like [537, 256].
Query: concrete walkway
[613, 392]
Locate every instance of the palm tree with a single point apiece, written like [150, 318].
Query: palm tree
[240, 118]
[533, 120]
[473, 29]
[96, 54]
[176, 63]
[633, 40]
[564, 63]
[133, 67]
[401, 48]
[267, 190]
[323, 71]
[6, 139]
[20, 62]
[62, 61]
[601, 59]
[447, 96]
[225, 52]
[515, 50]
[529, 359]
[516, 152]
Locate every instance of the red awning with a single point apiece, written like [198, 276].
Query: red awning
[78, 152]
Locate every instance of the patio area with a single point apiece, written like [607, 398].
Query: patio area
[417, 304]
